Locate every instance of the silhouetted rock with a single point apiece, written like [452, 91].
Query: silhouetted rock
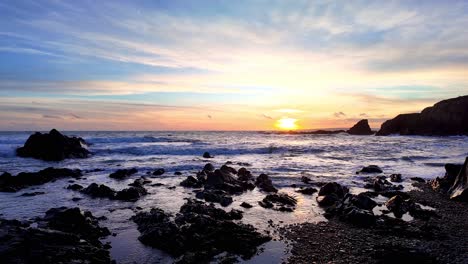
[215, 196]
[53, 147]
[130, 194]
[447, 117]
[9, 183]
[198, 232]
[246, 205]
[159, 172]
[74, 187]
[279, 201]
[191, 182]
[102, 191]
[123, 173]
[370, 169]
[361, 128]
[459, 189]
[307, 190]
[264, 183]
[331, 193]
[207, 155]
[443, 184]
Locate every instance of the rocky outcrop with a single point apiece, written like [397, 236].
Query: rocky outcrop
[361, 128]
[9, 183]
[65, 236]
[448, 117]
[53, 146]
[198, 233]
[459, 189]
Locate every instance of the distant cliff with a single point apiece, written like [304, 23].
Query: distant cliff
[445, 118]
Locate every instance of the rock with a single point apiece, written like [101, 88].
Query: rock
[215, 196]
[74, 187]
[417, 179]
[244, 175]
[445, 183]
[448, 117]
[177, 173]
[279, 201]
[380, 184]
[307, 190]
[331, 193]
[246, 205]
[361, 201]
[139, 182]
[99, 191]
[398, 206]
[305, 179]
[53, 147]
[198, 233]
[159, 172]
[123, 173]
[191, 182]
[130, 194]
[358, 217]
[207, 155]
[395, 178]
[9, 183]
[370, 169]
[264, 183]
[58, 241]
[459, 189]
[208, 167]
[361, 128]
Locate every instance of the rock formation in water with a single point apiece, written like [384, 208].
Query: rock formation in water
[448, 117]
[361, 128]
[53, 146]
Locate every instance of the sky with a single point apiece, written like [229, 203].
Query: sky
[226, 65]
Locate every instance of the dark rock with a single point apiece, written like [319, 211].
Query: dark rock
[371, 169]
[139, 182]
[99, 191]
[448, 117]
[398, 206]
[305, 179]
[264, 183]
[445, 183]
[32, 194]
[159, 172]
[198, 233]
[246, 205]
[9, 183]
[177, 173]
[307, 191]
[74, 187]
[130, 194]
[361, 201]
[358, 217]
[380, 184]
[395, 178]
[215, 196]
[417, 179]
[459, 189]
[207, 155]
[361, 128]
[244, 175]
[191, 182]
[53, 147]
[123, 173]
[279, 201]
[331, 193]
[208, 167]
[66, 244]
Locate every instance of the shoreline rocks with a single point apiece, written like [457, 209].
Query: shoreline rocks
[9, 183]
[53, 146]
[445, 118]
[130, 194]
[361, 128]
[123, 173]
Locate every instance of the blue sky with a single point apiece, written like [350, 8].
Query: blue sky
[164, 65]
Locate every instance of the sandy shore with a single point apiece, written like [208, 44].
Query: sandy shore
[443, 238]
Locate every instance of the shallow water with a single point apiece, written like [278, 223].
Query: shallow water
[286, 158]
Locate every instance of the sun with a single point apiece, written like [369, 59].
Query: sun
[287, 124]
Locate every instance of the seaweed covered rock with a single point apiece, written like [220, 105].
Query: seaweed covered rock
[9, 183]
[198, 233]
[53, 146]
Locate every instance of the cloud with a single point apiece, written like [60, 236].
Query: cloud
[209, 116]
[51, 116]
[267, 116]
[363, 115]
[339, 114]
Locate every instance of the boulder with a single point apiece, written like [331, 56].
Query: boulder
[361, 128]
[130, 194]
[395, 178]
[264, 183]
[443, 184]
[331, 193]
[74, 187]
[53, 146]
[9, 183]
[99, 191]
[191, 182]
[215, 196]
[459, 189]
[370, 169]
[159, 172]
[447, 117]
[123, 173]
[307, 190]
[246, 205]
[207, 155]
[279, 201]
[198, 233]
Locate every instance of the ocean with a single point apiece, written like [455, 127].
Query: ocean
[284, 157]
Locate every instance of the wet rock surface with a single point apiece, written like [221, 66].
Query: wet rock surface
[441, 237]
[65, 236]
[279, 201]
[198, 232]
[123, 173]
[370, 169]
[9, 183]
[53, 146]
[264, 183]
[130, 194]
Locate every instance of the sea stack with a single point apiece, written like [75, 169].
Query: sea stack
[445, 118]
[361, 128]
[53, 146]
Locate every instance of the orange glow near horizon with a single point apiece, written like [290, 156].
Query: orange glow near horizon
[287, 123]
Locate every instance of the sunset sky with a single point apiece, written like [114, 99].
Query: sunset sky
[226, 65]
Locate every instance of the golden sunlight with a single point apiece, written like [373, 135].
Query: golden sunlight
[286, 123]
